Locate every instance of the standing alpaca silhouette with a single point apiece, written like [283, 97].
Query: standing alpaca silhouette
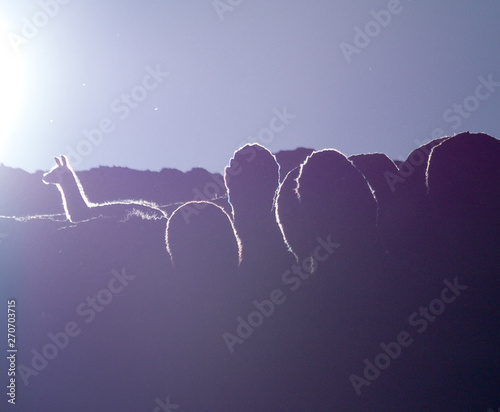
[79, 208]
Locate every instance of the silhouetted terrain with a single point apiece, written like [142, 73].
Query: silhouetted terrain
[301, 281]
[26, 194]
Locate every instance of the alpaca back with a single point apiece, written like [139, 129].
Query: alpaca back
[204, 244]
[463, 179]
[336, 199]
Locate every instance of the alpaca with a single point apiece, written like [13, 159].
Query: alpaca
[252, 179]
[289, 216]
[336, 200]
[204, 246]
[463, 182]
[78, 208]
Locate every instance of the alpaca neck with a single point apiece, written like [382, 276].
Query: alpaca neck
[75, 203]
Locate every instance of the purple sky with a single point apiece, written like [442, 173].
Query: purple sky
[231, 69]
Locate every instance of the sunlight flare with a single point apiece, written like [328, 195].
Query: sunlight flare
[11, 88]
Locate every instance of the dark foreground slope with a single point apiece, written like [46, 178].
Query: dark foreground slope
[387, 303]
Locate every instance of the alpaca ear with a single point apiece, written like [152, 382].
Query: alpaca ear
[64, 160]
[58, 163]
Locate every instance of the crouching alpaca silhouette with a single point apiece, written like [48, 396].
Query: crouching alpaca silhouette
[78, 208]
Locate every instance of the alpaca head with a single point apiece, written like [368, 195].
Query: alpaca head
[252, 179]
[60, 173]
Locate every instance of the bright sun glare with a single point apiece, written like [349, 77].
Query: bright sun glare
[11, 89]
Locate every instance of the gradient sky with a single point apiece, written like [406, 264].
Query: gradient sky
[230, 71]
